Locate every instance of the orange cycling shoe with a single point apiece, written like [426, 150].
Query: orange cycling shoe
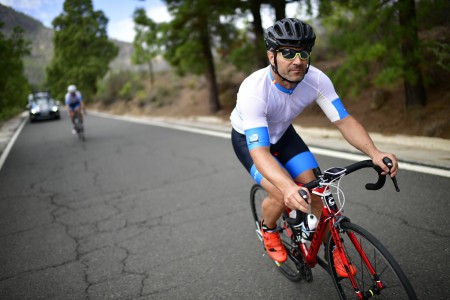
[273, 245]
[339, 266]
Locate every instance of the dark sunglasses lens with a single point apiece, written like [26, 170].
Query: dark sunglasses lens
[304, 54]
[288, 53]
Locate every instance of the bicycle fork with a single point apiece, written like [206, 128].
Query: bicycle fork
[375, 289]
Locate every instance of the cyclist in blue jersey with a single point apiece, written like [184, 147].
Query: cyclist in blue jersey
[74, 102]
[263, 137]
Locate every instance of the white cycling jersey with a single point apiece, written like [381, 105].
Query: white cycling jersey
[262, 102]
[72, 100]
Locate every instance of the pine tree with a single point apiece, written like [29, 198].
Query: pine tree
[82, 49]
[14, 87]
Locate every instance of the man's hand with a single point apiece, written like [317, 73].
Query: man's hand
[293, 200]
[378, 160]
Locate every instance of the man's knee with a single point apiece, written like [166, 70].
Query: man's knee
[274, 201]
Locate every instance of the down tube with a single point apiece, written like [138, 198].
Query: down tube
[311, 254]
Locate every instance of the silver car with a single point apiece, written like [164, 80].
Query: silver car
[41, 106]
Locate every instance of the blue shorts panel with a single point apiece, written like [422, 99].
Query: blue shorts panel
[255, 174]
[301, 163]
[74, 106]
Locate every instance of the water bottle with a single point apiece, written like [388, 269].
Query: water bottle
[306, 226]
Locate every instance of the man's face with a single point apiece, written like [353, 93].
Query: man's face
[292, 62]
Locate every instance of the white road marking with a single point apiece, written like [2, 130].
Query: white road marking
[316, 150]
[11, 143]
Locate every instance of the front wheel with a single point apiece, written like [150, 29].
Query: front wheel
[291, 268]
[79, 128]
[377, 275]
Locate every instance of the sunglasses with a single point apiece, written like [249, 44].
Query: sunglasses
[290, 54]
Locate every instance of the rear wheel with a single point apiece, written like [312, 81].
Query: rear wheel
[395, 285]
[291, 267]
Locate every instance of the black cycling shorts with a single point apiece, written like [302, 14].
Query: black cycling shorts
[290, 151]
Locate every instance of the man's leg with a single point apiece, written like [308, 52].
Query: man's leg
[71, 115]
[80, 115]
[273, 204]
[272, 208]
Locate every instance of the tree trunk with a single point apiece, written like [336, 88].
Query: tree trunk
[260, 53]
[150, 72]
[214, 105]
[413, 81]
[280, 9]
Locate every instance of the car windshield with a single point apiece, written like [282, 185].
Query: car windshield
[41, 101]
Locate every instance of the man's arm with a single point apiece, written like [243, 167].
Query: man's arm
[358, 137]
[271, 170]
[80, 98]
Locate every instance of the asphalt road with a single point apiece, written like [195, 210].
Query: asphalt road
[146, 212]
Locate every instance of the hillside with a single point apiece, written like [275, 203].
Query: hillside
[41, 39]
[187, 96]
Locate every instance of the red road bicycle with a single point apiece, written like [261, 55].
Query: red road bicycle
[377, 274]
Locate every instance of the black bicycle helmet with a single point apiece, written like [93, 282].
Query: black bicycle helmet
[289, 32]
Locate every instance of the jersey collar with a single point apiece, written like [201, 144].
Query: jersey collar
[279, 86]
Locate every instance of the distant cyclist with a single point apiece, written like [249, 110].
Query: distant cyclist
[74, 102]
[263, 137]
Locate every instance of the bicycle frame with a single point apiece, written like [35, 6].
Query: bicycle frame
[357, 262]
[330, 218]
[78, 124]
[327, 216]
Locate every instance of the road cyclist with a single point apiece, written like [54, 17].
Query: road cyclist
[264, 139]
[75, 107]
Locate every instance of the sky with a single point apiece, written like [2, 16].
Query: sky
[119, 13]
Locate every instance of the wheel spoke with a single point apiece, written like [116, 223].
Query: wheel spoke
[395, 283]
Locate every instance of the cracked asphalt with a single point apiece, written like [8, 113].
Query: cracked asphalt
[76, 220]
[144, 212]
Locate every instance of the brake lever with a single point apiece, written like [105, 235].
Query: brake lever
[389, 164]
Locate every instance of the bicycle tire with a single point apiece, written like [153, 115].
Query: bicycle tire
[79, 127]
[397, 285]
[290, 268]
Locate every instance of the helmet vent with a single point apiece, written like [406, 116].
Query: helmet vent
[298, 30]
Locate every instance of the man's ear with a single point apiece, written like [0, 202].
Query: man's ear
[271, 57]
